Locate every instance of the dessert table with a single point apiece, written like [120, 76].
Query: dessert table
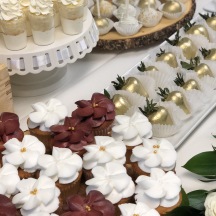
[95, 72]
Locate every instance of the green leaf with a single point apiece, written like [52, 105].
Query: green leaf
[214, 136]
[186, 65]
[185, 200]
[203, 164]
[107, 94]
[184, 210]
[197, 199]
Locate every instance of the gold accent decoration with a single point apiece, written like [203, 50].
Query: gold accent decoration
[95, 105]
[23, 149]
[172, 7]
[121, 104]
[155, 151]
[102, 148]
[154, 146]
[212, 22]
[145, 3]
[133, 85]
[203, 70]
[71, 128]
[158, 146]
[136, 215]
[191, 84]
[87, 208]
[188, 48]
[101, 22]
[198, 30]
[34, 192]
[169, 58]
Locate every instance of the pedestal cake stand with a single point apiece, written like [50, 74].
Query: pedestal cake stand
[37, 70]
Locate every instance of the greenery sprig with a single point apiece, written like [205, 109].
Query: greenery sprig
[188, 25]
[193, 63]
[119, 83]
[150, 108]
[175, 41]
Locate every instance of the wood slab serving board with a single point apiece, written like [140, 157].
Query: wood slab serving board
[147, 36]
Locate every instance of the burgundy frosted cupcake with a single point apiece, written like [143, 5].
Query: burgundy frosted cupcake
[7, 208]
[9, 128]
[99, 112]
[73, 134]
[93, 204]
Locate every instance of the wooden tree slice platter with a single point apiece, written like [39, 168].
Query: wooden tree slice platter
[147, 36]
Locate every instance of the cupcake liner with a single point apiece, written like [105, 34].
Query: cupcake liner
[87, 174]
[172, 15]
[71, 188]
[105, 30]
[128, 30]
[25, 175]
[104, 130]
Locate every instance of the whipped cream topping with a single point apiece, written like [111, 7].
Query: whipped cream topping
[154, 153]
[23, 154]
[10, 9]
[47, 114]
[68, 2]
[41, 7]
[62, 165]
[8, 179]
[132, 129]
[24, 3]
[112, 181]
[105, 150]
[158, 189]
[37, 195]
[140, 209]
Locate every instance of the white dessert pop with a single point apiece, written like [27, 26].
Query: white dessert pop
[140, 209]
[106, 149]
[158, 189]
[63, 165]
[71, 15]
[37, 195]
[127, 26]
[41, 16]
[122, 10]
[149, 17]
[47, 114]
[9, 178]
[23, 154]
[131, 129]
[154, 153]
[112, 181]
[12, 23]
[104, 25]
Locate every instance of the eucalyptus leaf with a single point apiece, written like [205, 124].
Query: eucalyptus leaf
[197, 199]
[186, 211]
[203, 164]
[107, 94]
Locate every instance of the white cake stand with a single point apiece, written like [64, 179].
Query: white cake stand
[37, 70]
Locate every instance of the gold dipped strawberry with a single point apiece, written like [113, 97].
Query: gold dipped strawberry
[196, 29]
[172, 7]
[175, 96]
[201, 69]
[210, 20]
[156, 114]
[167, 57]
[131, 84]
[188, 85]
[143, 68]
[209, 54]
[187, 46]
[121, 103]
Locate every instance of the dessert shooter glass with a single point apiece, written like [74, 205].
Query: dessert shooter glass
[14, 33]
[57, 21]
[43, 29]
[28, 26]
[72, 17]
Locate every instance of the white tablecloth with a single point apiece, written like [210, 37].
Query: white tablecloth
[95, 72]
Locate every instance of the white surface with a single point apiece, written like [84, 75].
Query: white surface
[95, 72]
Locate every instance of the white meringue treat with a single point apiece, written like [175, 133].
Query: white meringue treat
[71, 15]
[149, 17]
[41, 17]
[127, 26]
[123, 10]
[13, 25]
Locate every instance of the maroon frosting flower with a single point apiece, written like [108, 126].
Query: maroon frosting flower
[7, 208]
[94, 204]
[95, 111]
[9, 128]
[72, 134]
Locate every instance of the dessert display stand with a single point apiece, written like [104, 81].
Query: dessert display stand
[37, 70]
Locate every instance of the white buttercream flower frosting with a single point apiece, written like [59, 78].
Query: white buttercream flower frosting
[23, 154]
[62, 165]
[154, 153]
[210, 204]
[8, 179]
[42, 214]
[158, 189]
[140, 209]
[24, 3]
[10, 9]
[37, 195]
[106, 149]
[112, 181]
[131, 129]
[41, 7]
[47, 114]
